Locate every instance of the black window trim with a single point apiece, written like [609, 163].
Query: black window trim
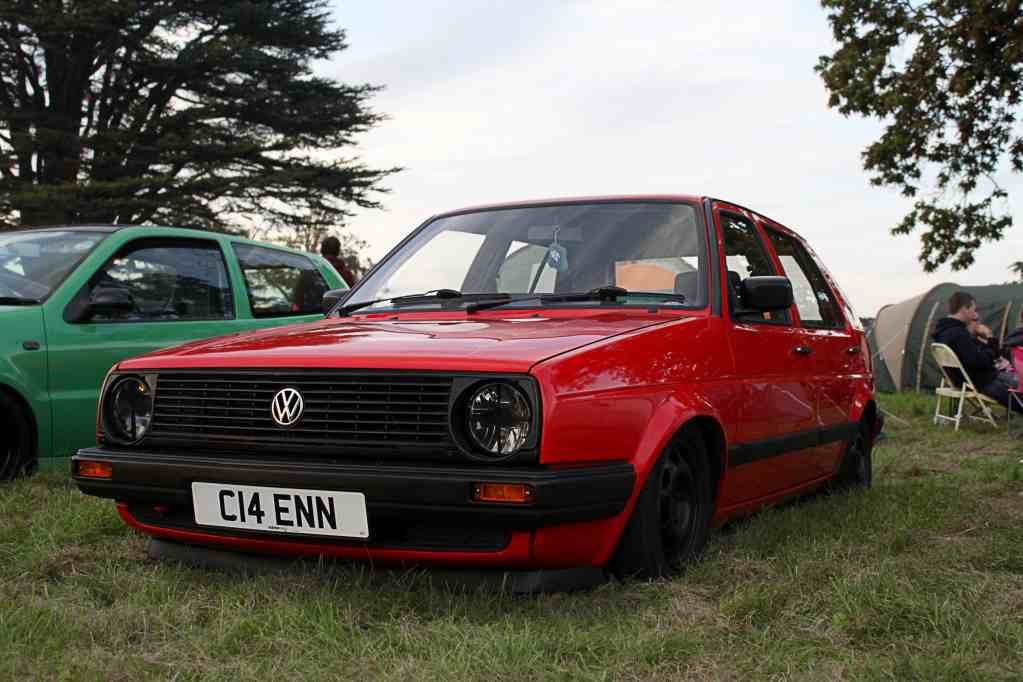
[785, 321]
[163, 240]
[248, 292]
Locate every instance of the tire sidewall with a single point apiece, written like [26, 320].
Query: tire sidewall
[641, 550]
[13, 418]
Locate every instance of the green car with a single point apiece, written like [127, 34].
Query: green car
[76, 300]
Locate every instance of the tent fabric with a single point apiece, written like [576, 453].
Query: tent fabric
[901, 335]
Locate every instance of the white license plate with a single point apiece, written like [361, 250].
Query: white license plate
[280, 510]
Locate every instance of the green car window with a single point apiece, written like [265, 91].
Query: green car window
[280, 283]
[168, 281]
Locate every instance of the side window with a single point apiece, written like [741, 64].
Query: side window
[745, 257]
[167, 280]
[814, 300]
[521, 270]
[280, 283]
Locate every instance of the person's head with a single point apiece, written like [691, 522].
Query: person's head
[963, 307]
[331, 247]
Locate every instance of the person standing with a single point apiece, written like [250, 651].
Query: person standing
[331, 250]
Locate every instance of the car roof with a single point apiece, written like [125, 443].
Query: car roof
[609, 199]
[69, 228]
[155, 230]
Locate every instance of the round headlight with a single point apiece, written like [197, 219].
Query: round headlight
[129, 409]
[499, 419]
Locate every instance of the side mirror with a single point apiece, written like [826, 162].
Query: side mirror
[767, 294]
[332, 298]
[107, 300]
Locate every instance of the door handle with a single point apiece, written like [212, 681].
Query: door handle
[852, 350]
[803, 350]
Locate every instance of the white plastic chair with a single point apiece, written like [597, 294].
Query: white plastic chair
[966, 394]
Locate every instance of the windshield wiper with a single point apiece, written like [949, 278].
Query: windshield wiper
[601, 294]
[15, 300]
[437, 294]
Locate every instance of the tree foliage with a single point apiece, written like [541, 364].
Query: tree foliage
[945, 77]
[193, 113]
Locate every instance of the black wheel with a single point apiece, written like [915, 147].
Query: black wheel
[17, 446]
[857, 468]
[669, 525]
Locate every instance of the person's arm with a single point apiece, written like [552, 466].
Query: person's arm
[972, 353]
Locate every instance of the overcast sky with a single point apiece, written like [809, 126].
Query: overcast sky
[500, 101]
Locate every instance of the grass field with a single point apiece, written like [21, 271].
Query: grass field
[919, 578]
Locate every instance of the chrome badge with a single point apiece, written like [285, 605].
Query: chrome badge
[287, 407]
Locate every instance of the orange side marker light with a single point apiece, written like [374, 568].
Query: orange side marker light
[89, 469]
[514, 493]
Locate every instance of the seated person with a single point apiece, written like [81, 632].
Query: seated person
[976, 350]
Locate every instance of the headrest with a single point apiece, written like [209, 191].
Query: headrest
[687, 284]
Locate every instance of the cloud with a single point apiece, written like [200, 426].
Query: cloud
[507, 101]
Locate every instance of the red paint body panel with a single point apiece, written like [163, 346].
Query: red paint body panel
[615, 385]
[488, 342]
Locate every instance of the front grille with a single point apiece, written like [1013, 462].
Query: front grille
[343, 409]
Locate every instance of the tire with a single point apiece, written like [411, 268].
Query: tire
[671, 520]
[857, 468]
[17, 449]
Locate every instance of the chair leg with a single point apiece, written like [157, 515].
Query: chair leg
[959, 412]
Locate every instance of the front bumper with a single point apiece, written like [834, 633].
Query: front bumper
[415, 511]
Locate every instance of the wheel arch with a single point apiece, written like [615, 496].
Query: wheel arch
[713, 435]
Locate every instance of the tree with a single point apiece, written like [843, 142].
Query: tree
[309, 236]
[1017, 267]
[193, 113]
[945, 76]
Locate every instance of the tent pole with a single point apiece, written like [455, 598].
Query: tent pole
[924, 345]
[1005, 323]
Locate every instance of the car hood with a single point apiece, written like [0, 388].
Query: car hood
[492, 345]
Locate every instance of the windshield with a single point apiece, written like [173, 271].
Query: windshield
[553, 249]
[32, 264]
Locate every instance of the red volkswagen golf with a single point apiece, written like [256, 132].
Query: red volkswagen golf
[567, 385]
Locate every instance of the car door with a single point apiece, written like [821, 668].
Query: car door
[179, 290]
[775, 371]
[837, 355]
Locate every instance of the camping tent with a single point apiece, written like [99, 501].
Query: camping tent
[901, 335]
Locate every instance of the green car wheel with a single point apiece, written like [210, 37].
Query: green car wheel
[17, 451]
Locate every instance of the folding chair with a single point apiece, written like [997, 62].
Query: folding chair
[965, 394]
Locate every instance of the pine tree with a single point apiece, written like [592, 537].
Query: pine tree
[191, 113]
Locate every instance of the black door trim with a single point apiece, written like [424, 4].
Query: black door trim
[747, 453]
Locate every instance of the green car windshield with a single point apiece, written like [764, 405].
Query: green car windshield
[33, 264]
[644, 247]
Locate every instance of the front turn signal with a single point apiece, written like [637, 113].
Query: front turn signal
[513, 493]
[89, 469]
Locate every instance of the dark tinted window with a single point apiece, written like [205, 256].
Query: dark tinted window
[280, 283]
[745, 257]
[168, 280]
[814, 299]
